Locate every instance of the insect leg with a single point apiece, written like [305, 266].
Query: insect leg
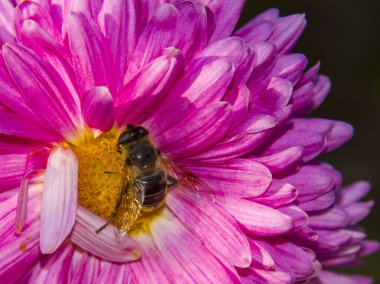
[107, 223]
[110, 172]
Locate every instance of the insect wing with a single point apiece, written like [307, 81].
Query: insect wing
[187, 181]
[127, 207]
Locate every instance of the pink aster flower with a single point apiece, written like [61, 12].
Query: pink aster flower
[228, 106]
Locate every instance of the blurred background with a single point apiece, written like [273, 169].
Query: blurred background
[345, 37]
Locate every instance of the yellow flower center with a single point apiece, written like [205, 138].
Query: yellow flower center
[100, 171]
[99, 175]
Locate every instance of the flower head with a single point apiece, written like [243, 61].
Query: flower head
[226, 108]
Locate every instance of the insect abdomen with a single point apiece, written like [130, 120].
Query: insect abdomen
[151, 188]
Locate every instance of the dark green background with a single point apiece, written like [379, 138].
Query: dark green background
[345, 37]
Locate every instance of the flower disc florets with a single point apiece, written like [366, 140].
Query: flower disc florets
[100, 169]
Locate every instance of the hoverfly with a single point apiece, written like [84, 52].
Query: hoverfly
[146, 177]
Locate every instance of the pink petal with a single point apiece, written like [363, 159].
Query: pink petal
[196, 132]
[15, 145]
[37, 79]
[51, 49]
[148, 88]
[59, 199]
[191, 30]
[53, 268]
[320, 203]
[287, 31]
[353, 192]
[148, 9]
[60, 9]
[238, 52]
[152, 267]
[243, 68]
[278, 195]
[267, 277]
[276, 96]
[243, 139]
[97, 108]
[336, 132]
[260, 257]
[312, 181]
[358, 211]
[6, 20]
[310, 75]
[185, 254]
[30, 10]
[13, 124]
[239, 98]
[334, 218]
[84, 6]
[239, 178]
[290, 257]
[105, 244]
[226, 13]
[10, 95]
[159, 33]
[322, 88]
[313, 143]
[270, 15]
[369, 247]
[91, 60]
[8, 194]
[290, 67]
[117, 273]
[327, 277]
[35, 164]
[84, 268]
[211, 83]
[339, 261]
[301, 98]
[299, 217]
[204, 82]
[333, 239]
[225, 240]
[254, 33]
[283, 161]
[19, 252]
[306, 100]
[264, 60]
[339, 134]
[232, 47]
[306, 234]
[259, 219]
[330, 241]
[118, 20]
[12, 169]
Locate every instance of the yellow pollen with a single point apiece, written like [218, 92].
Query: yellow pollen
[99, 177]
